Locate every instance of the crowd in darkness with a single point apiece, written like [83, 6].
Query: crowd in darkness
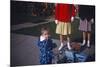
[43, 9]
[34, 8]
[22, 11]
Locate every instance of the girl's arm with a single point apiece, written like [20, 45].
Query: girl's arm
[92, 20]
[56, 13]
[74, 11]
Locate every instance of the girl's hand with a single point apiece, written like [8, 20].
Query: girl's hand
[56, 21]
[92, 20]
[72, 19]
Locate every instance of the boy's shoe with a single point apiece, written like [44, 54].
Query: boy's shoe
[60, 51]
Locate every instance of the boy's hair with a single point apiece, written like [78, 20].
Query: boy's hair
[44, 29]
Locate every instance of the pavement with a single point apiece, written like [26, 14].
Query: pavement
[29, 24]
[24, 50]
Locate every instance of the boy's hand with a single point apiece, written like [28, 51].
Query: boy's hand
[72, 19]
[56, 21]
[42, 38]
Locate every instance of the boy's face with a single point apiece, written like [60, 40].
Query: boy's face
[46, 34]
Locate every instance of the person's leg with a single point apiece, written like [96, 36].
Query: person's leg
[61, 41]
[59, 31]
[88, 39]
[84, 38]
[68, 42]
[68, 35]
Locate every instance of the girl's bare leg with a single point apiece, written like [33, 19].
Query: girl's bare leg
[68, 42]
[84, 38]
[88, 39]
[62, 42]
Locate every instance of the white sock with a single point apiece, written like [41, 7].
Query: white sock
[68, 45]
[83, 42]
[61, 46]
[88, 43]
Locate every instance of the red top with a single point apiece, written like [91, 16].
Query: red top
[64, 12]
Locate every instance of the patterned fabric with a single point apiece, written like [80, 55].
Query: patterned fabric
[46, 53]
[85, 26]
[63, 28]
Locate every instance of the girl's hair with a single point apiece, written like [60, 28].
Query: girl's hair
[44, 29]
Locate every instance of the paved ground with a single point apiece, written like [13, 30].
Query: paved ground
[24, 50]
[28, 24]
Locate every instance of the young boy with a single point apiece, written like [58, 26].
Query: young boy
[45, 46]
[64, 15]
